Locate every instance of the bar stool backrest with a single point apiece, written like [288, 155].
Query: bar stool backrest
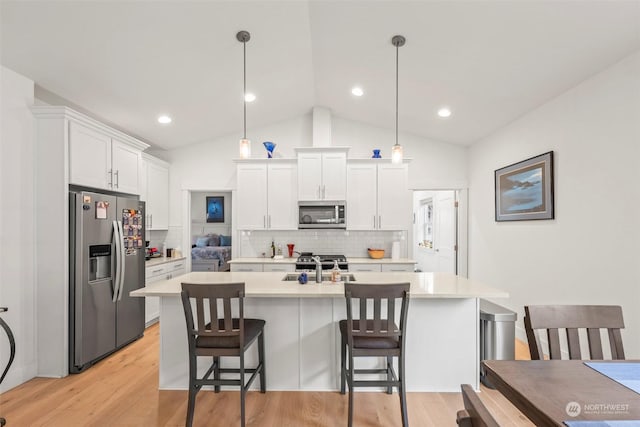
[220, 324]
[553, 318]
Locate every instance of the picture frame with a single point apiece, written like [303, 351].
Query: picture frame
[215, 209]
[524, 190]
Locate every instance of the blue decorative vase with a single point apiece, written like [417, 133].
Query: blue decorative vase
[270, 146]
[376, 154]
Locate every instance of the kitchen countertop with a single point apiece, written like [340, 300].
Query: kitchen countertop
[161, 260]
[271, 285]
[287, 260]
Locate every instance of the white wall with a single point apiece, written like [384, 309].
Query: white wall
[17, 226]
[435, 165]
[589, 253]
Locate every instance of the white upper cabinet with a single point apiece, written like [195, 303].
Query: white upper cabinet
[362, 210]
[322, 174]
[98, 159]
[89, 157]
[266, 195]
[252, 196]
[282, 203]
[394, 198]
[155, 182]
[377, 196]
[126, 162]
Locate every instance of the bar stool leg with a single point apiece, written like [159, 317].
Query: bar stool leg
[389, 373]
[401, 392]
[343, 373]
[216, 372]
[193, 389]
[350, 389]
[243, 390]
[263, 373]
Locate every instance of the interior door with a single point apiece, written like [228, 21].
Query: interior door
[445, 231]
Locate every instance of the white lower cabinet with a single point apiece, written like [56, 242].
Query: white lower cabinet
[374, 268]
[246, 267]
[157, 273]
[279, 267]
[397, 267]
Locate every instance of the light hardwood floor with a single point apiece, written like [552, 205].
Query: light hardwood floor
[122, 390]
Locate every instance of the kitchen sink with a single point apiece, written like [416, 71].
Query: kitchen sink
[311, 277]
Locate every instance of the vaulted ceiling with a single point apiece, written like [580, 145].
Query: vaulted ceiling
[489, 61]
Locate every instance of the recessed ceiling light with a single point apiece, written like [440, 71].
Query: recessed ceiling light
[164, 119]
[249, 97]
[444, 112]
[357, 91]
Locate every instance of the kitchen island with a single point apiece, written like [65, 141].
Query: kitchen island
[301, 333]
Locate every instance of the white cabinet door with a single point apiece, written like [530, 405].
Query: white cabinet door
[334, 171]
[89, 157]
[176, 268]
[279, 267]
[394, 201]
[252, 196]
[397, 267]
[157, 182]
[310, 176]
[152, 304]
[99, 161]
[364, 267]
[125, 164]
[246, 267]
[282, 209]
[142, 182]
[361, 196]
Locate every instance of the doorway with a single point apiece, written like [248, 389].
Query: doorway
[208, 217]
[436, 231]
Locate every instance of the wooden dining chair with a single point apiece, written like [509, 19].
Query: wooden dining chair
[222, 336]
[552, 318]
[376, 335]
[474, 414]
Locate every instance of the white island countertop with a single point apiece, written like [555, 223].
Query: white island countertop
[271, 285]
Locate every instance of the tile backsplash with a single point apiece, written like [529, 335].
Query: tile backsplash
[349, 243]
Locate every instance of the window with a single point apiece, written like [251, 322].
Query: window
[426, 218]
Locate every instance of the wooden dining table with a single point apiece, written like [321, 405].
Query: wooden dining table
[550, 392]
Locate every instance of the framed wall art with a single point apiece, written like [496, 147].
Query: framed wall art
[215, 209]
[524, 190]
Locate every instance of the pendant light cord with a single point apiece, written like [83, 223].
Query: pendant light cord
[397, 50]
[244, 37]
[244, 86]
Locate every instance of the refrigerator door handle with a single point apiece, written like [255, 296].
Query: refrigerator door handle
[122, 261]
[116, 278]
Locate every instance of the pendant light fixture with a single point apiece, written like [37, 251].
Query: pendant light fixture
[396, 150]
[245, 144]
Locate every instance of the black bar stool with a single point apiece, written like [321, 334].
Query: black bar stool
[222, 336]
[374, 337]
[12, 344]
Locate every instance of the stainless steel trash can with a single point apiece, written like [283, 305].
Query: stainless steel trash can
[497, 335]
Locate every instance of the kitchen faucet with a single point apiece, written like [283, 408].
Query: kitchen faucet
[318, 269]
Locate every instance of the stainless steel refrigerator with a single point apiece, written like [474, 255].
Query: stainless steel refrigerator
[107, 241]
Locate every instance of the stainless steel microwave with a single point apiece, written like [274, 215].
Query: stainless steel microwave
[322, 214]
